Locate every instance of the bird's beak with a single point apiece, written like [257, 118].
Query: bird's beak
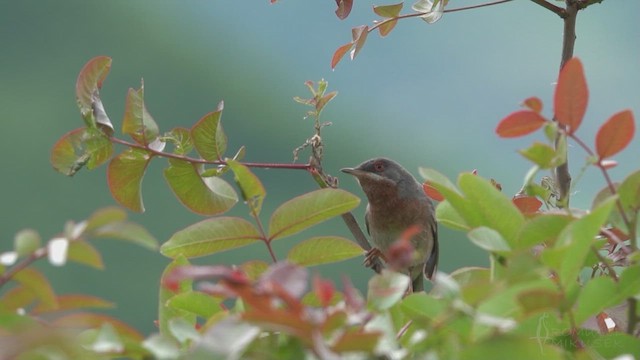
[353, 171]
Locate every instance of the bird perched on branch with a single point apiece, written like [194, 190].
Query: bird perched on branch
[398, 208]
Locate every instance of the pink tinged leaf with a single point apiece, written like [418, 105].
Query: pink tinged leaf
[386, 27]
[520, 123]
[324, 290]
[388, 11]
[615, 134]
[208, 136]
[359, 35]
[339, 54]
[533, 103]
[137, 121]
[78, 148]
[292, 278]
[571, 96]
[527, 204]
[202, 195]
[124, 176]
[88, 85]
[344, 8]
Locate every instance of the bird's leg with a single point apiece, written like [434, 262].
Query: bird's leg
[372, 255]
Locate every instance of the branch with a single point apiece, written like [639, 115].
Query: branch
[210, 162]
[549, 6]
[9, 274]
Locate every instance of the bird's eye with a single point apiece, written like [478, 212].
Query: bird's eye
[378, 167]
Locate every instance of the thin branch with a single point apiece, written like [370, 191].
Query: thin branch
[209, 162]
[603, 261]
[553, 8]
[418, 14]
[34, 256]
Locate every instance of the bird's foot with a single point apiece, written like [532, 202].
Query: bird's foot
[372, 257]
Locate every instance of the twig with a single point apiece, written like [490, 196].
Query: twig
[9, 274]
[549, 6]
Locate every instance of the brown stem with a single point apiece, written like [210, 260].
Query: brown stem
[9, 274]
[603, 261]
[549, 6]
[418, 14]
[210, 162]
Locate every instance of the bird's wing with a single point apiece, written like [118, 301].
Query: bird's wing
[431, 266]
[366, 219]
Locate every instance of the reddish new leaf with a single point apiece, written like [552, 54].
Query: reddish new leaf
[533, 103]
[323, 289]
[344, 8]
[388, 11]
[90, 81]
[386, 27]
[527, 204]
[339, 54]
[432, 192]
[571, 96]
[615, 134]
[520, 123]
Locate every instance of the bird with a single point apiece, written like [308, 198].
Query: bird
[397, 203]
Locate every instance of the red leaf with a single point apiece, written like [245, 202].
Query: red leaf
[533, 103]
[324, 290]
[571, 96]
[432, 192]
[90, 81]
[520, 123]
[527, 204]
[615, 134]
[339, 54]
[344, 8]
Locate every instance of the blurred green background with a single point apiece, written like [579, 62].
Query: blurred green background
[428, 95]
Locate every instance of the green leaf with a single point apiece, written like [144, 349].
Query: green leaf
[210, 236]
[124, 176]
[75, 302]
[422, 305]
[36, 282]
[359, 35]
[107, 340]
[496, 209]
[542, 229]
[183, 330]
[388, 11]
[447, 215]
[84, 253]
[165, 312]
[88, 85]
[204, 196]
[629, 192]
[323, 250]
[386, 289]
[254, 268]
[85, 320]
[78, 148]
[506, 347]
[15, 298]
[208, 136]
[630, 282]
[616, 345]
[597, 295]
[309, 209]
[127, 231]
[26, 241]
[488, 239]
[105, 216]
[195, 302]
[137, 121]
[253, 191]
[542, 155]
[577, 238]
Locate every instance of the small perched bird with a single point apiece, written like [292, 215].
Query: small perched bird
[397, 202]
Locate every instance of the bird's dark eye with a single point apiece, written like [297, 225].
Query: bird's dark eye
[379, 167]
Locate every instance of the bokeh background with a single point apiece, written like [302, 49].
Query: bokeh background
[428, 95]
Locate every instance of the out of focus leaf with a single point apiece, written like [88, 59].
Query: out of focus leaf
[18, 297]
[105, 216]
[505, 346]
[254, 268]
[527, 204]
[128, 231]
[571, 96]
[26, 241]
[253, 191]
[124, 176]
[36, 282]
[76, 301]
[210, 236]
[543, 155]
[92, 321]
[364, 342]
[204, 196]
[137, 121]
[84, 253]
[57, 250]
[533, 103]
[162, 346]
[309, 209]
[183, 330]
[615, 134]
[520, 123]
[323, 250]
[386, 289]
[596, 295]
[488, 239]
[107, 340]
[616, 345]
[195, 302]
[290, 277]
[165, 312]
[542, 229]
[208, 136]
[78, 148]
[422, 305]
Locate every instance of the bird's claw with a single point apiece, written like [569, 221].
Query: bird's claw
[372, 257]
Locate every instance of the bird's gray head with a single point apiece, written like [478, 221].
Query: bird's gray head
[382, 177]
